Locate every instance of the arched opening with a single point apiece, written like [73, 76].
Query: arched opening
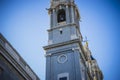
[61, 16]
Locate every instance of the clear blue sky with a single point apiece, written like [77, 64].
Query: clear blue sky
[24, 24]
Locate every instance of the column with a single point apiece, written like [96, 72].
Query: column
[53, 18]
[72, 14]
[67, 15]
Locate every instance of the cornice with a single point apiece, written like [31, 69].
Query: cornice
[62, 26]
[61, 44]
[10, 56]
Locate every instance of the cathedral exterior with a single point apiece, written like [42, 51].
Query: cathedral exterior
[67, 58]
[12, 65]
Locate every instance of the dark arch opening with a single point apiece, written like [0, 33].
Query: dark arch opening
[61, 16]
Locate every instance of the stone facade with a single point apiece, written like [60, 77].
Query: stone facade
[66, 57]
[12, 65]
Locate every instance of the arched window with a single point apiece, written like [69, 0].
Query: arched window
[61, 16]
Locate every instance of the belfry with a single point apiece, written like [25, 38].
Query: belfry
[66, 56]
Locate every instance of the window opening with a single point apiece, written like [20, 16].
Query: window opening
[63, 78]
[61, 16]
[61, 32]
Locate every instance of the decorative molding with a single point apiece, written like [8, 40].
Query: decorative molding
[59, 51]
[46, 55]
[62, 26]
[60, 57]
[62, 23]
[62, 44]
[13, 57]
[58, 3]
[11, 51]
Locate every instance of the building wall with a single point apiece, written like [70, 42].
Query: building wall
[8, 72]
[12, 65]
[55, 65]
[68, 33]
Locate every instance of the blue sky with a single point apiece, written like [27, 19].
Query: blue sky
[24, 24]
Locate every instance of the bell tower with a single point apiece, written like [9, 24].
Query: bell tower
[64, 21]
[62, 52]
[65, 55]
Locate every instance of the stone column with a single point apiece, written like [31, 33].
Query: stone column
[54, 16]
[51, 21]
[72, 14]
[67, 15]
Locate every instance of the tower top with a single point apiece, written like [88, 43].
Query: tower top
[55, 3]
[62, 0]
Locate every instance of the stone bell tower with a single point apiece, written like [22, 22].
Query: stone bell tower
[65, 55]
